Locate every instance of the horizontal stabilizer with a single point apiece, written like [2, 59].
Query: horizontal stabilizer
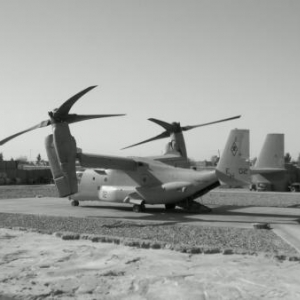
[262, 171]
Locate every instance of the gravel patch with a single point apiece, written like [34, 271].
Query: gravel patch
[243, 197]
[237, 197]
[27, 191]
[183, 238]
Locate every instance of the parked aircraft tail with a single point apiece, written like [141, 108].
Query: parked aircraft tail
[233, 168]
[271, 157]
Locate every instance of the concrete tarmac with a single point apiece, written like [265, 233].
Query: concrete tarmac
[284, 221]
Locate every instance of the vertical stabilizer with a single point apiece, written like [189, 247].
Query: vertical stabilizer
[271, 156]
[233, 167]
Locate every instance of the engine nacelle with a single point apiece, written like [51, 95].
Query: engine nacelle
[61, 152]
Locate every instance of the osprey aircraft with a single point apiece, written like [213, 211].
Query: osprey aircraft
[138, 181]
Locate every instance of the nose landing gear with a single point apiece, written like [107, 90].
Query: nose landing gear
[75, 203]
[138, 207]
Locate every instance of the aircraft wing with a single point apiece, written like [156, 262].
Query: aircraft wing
[107, 162]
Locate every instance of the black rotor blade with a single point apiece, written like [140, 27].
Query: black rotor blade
[62, 115]
[73, 118]
[163, 124]
[175, 128]
[40, 125]
[158, 137]
[64, 109]
[185, 128]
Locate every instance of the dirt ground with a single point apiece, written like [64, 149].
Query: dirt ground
[38, 266]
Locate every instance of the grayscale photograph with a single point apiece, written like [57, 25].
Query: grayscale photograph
[147, 149]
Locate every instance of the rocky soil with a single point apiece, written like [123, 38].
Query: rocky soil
[184, 238]
[27, 191]
[45, 257]
[39, 266]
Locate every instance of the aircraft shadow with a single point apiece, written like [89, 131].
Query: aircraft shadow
[159, 214]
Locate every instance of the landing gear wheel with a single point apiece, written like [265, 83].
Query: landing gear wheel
[138, 208]
[294, 189]
[170, 206]
[74, 202]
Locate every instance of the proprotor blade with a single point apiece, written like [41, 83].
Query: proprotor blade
[185, 128]
[73, 118]
[163, 135]
[175, 128]
[64, 109]
[62, 115]
[165, 125]
[40, 125]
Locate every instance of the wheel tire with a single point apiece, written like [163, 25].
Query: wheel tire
[170, 206]
[74, 202]
[138, 208]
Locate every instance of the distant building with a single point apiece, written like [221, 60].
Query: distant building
[11, 172]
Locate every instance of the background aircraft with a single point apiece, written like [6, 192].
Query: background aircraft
[270, 172]
[138, 181]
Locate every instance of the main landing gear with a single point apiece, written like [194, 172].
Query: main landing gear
[187, 205]
[170, 206]
[141, 207]
[74, 202]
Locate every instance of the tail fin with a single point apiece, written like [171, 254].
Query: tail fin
[233, 167]
[271, 157]
[61, 152]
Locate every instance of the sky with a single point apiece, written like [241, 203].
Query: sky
[187, 61]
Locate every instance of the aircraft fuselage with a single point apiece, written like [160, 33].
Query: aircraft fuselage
[153, 182]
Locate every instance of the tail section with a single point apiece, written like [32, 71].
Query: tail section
[271, 157]
[233, 167]
[61, 152]
[269, 171]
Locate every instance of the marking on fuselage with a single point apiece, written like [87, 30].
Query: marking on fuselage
[234, 148]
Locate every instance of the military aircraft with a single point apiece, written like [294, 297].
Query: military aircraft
[137, 180]
[269, 172]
